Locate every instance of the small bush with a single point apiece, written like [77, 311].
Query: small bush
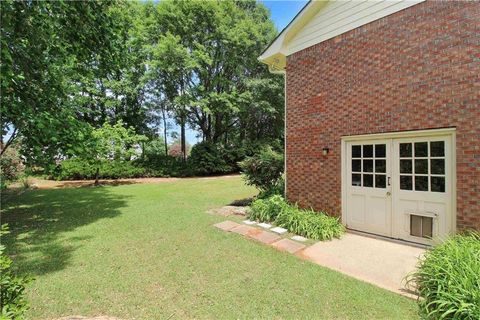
[267, 209]
[277, 189]
[307, 223]
[12, 296]
[310, 224]
[164, 166]
[11, 166]
[263, 170]
[213, 158]
[448, 279]
[79, 169]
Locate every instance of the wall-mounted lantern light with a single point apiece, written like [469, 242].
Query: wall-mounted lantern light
[325, 151]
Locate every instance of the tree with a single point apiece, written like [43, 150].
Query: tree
[171, 67]
[206, 54]
[41, 56]
[112, 143]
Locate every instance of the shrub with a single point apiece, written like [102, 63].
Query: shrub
[12, 297]
[277, 189]
[308, 223]
[448, 279]
[11, 166]
[263, 170]
[213, 158]
[77, 169]
[163, 166]
[267, 209]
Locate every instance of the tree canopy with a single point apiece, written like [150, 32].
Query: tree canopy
[70, 67]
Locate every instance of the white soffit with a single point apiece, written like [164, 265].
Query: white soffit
[322, 20]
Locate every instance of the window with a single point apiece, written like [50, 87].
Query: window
[422, 166]
[369, 165]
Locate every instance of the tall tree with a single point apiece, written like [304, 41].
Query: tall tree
[46, 44]
[212, 49]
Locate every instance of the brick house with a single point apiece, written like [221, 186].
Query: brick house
[383, 114]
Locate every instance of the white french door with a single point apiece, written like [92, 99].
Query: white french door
[369, 191]
[400, 187]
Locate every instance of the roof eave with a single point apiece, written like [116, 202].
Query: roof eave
[275, 54]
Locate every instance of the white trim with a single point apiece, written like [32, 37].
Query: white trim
[401, 134]
[321, 20]
[450, 132]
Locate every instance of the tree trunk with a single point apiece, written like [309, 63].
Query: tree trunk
[182, 140]
[164, 118]
[97, 174]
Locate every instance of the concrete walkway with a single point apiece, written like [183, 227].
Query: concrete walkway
[377, 261]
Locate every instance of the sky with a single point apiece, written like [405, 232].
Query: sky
[282, 12]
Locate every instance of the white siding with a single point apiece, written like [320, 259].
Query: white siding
[338, 17]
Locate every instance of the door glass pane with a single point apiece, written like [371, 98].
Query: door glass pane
[406, 166]
[405, 150]
[356, 179]
[438, 184]
[368, 151]
[380, 151]
[368, 180]
[437, 149]
[367, 165]
[380, 181]
[421, 166]
[421, 183]
[437, 166]
[357, 165]
[356, 151]
[421, 149]
[380, 166]
[406, 182]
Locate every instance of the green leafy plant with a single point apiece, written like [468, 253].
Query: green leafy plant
[448, 279]
[11, 166]
[79, 169]
[12, 296]
[308, 223]
[263, 170]
[267, 209]
[214, 158]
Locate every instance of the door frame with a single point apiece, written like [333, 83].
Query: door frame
[451, 132]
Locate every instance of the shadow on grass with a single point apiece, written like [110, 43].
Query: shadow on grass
[39, 219]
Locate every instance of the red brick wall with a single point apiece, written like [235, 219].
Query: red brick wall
[416, 69]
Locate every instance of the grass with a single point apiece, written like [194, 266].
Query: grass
[150, 252]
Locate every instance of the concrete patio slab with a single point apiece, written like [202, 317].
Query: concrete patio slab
[227, 225]
[264, 236]
[288, 245]
[377, 261]
[249, 222]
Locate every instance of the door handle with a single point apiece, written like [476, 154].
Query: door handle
[389, 193]
[388, 181]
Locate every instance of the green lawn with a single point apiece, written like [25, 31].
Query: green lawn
[150, 252]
